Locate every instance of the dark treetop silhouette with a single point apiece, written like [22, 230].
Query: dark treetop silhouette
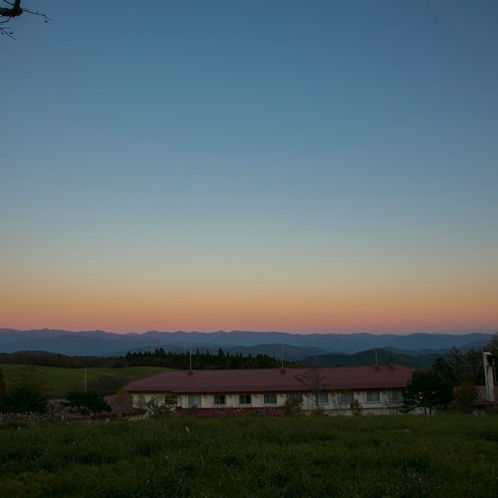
[14, 10]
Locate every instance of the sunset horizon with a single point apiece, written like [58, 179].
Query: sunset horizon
[394, 332]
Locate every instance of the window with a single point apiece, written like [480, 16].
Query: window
[347, 397]
[373, 396]
[396, 396]
[219, 399]
[194, 400]
[244, 399]
[270, 399]
[322, 398]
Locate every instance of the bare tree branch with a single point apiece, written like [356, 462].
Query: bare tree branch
[15, 10]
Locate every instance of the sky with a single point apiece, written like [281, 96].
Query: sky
[302, 166]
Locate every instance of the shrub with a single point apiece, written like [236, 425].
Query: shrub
[465, 396]
[356, 408]
[86, 403]
[319, 411]
[24, 398]
[163, 407]
[293, 405]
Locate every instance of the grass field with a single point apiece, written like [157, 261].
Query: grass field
[57, 382]
[384, 456]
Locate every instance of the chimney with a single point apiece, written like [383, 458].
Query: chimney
[489, 375]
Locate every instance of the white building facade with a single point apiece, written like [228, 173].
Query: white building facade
[333, 391]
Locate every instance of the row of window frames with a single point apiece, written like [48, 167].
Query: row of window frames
[271, 399]
[372, 397]
[244, 399]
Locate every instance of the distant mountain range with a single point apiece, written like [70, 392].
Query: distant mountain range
[295, 347]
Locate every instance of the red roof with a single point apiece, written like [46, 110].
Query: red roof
[274, 380]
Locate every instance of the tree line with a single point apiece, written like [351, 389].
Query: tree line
[29, 396]
[158, 358]
[200, 361]
[449, 381]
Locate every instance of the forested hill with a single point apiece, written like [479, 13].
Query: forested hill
[200, 361]
[372, 357]
[222, 360]
[157, 358]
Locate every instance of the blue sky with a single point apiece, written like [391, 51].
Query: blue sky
[325, 166]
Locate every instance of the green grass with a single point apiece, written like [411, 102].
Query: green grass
[397, 456]
[58, 381]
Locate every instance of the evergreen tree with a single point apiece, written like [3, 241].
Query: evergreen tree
[427, 390]
[492, 346]
[24, 398]
[2, 386]
[456, 361]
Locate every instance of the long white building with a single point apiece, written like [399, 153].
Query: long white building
[338, 390]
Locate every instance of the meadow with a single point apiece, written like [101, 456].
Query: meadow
[383, 456]
[57, 382]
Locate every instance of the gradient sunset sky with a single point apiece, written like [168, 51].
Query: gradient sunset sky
[301, 166]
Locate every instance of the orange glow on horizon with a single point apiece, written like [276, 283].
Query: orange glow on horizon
[312, 308]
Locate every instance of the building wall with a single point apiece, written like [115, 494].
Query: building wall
[372, 402]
